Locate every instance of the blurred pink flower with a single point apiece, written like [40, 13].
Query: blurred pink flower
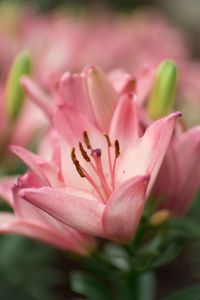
[146, 37]
[102, 190]
[132, 43]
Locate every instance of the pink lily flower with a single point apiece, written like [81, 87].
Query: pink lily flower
[95, 182]
[179, 177]
[32, 222]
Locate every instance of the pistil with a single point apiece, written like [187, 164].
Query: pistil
[109, 155]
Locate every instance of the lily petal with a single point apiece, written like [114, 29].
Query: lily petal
[124, 124]
[44, 170]
[83, 214]
[146, 154]
[168, 179]
[187, 147]
[71, 129]
[11, 224]
[5, 188]
[102, 95]
[124, 209]
[145, 78]
[73, 90]
[38, 96]
[27, 212]
[122, 82]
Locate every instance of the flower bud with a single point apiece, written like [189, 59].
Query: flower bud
[14, 95]
[163, 93]
[159, 217]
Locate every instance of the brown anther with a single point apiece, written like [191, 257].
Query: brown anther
[83, 152]
[117, 149]
[86, 139]
[107, 139]
[78, 168]
[76, 163]
[73, 155]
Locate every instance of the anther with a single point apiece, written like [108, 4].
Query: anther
[107, 139]
[76, 163]
[86, 139]
[96, 153]
[117, 149]
[83, 152]
[79, 170]
[73, 155]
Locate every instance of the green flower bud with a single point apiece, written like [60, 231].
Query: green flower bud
[14, 94]
[163, 93]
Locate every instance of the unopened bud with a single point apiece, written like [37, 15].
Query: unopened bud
[162, 97]
[14, 95]
[159, 217]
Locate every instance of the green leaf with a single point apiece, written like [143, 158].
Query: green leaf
[99, 265]
[161, 250]
[185, 224]
[118, 256]
[90, 287]
[14, 95]
[192, 293]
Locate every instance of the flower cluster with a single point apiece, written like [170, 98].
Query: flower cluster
[96, 166]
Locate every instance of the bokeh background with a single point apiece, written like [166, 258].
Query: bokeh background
[31, 270]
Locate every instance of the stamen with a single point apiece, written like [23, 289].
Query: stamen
[84, 153]
[109, 155]
[76, 163]
[73, 155]
[117, 149]
[117, 153]
[79, 170]
[86, 139]
[97, 165]
[96, 154]
[107, 139]
[82, 172]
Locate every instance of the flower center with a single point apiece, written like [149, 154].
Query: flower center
[95, 162]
